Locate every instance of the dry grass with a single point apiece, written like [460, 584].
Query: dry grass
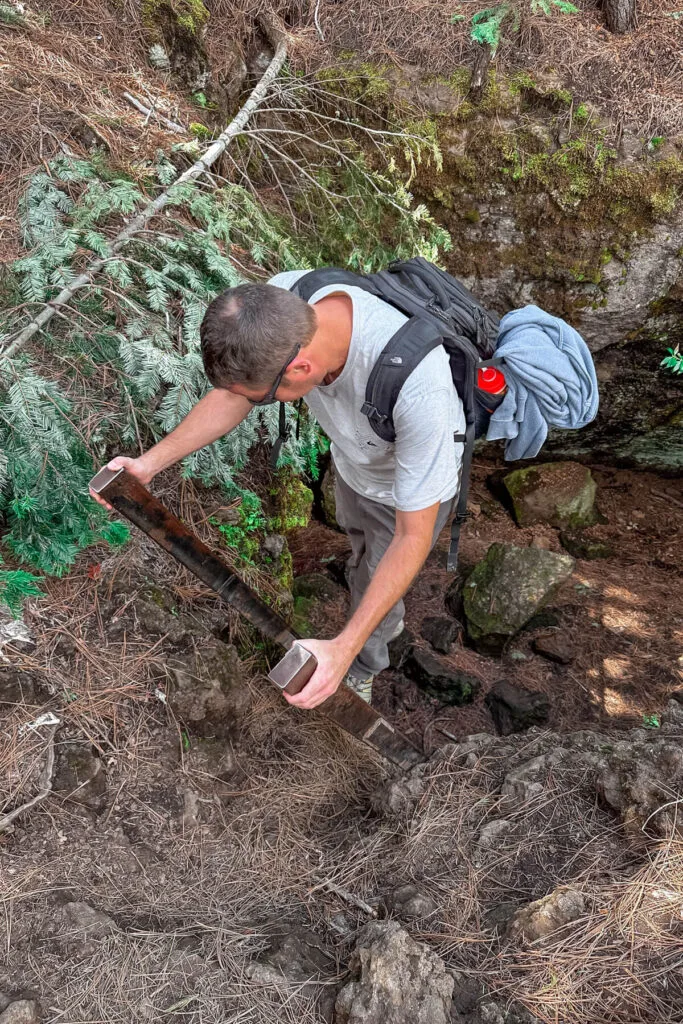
[622, 961]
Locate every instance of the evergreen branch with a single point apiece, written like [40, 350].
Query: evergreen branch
[201, 166]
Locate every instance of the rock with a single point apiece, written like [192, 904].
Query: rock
[545, 916]
[79, 776]
[514, 709]
[581, 546]
[295, 953]
[147, 615]
[328, 499]
[506, 588]
[441, 633]
[207, 689]
[493, 832]
[439, 680]
[560, 494]
[315, 586]
[410, 904]
[81, 919]
[274, 544]
[21, 1011]
[544, 619]
[555, 647]
[453, 598]
[396, 798]
[400, 648]
[530, 779]
[398, 981]
[639, 780]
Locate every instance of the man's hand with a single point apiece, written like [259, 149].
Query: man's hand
[334, 659]
[136, 467]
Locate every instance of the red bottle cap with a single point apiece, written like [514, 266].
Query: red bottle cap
[491, 380]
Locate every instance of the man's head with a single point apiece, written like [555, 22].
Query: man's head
[249, 338]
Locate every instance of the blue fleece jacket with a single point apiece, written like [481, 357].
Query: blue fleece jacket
[551, 381]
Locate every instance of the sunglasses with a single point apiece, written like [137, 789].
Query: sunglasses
[269, 398]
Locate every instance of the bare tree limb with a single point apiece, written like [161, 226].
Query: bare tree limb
[44, 782]
[200, 167]
[179, 129]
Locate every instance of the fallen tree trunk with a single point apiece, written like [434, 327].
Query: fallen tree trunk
[201, 166]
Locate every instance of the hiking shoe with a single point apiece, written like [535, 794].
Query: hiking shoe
[363, 687]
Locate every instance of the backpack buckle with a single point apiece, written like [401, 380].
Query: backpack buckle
[372, 413]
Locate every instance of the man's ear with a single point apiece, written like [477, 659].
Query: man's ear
[300, 369]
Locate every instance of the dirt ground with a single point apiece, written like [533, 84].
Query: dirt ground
[218, 871]
[621, 615]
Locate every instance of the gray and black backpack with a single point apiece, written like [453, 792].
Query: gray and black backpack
[440, 311]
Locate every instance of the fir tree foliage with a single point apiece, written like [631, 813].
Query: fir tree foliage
[121, 366]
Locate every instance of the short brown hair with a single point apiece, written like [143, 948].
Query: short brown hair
[248, 332]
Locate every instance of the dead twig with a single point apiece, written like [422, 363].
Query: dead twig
[173, 126]
[44, 783]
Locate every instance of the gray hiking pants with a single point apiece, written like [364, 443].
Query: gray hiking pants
[370, 529]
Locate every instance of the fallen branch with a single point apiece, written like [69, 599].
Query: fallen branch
[347, 896]
[44, 783]
[198, 168]
[149, 111]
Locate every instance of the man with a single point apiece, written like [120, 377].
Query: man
[261, 343]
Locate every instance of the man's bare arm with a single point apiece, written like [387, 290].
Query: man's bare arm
[216, 414]
[396, 571]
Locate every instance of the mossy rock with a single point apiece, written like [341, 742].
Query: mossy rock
[290, 505]
[559, 494]
[507, 588]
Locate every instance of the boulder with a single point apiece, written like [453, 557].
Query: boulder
[507, 588]
[207, 689]
[555, 647]
[440, 633]
[543, 917]
[397, 981]
[560, 494]
[21, 1011]
[439, 680]
[514, 709]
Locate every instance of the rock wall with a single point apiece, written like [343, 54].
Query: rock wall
[545, 205]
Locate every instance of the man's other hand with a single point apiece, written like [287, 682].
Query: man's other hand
[136, 467]
[334, 660]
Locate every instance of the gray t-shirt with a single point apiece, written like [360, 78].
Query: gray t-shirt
[423, 465]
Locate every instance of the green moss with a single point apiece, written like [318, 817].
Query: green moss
[290, 505]
[581, 114]
[519, 81]
[200, 131]
[191, 15]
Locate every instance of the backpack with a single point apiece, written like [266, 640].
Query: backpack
[440, 311]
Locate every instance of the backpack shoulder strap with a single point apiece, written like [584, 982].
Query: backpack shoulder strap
[397, 360]
[308, 284]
